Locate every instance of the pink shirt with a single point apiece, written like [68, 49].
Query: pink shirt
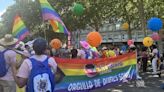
[10, 56]
[25, 69]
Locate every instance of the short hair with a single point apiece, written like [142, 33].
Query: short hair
[26, 46]
[154, 46]
[39, 46]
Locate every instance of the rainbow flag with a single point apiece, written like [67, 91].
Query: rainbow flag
[81, 75]
[48, 13]
[19, 30]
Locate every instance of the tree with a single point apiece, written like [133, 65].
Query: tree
[135, 12]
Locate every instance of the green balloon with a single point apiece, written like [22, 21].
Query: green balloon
[78, 9]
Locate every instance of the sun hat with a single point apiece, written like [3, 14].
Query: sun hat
[8, 40]
[84, 44]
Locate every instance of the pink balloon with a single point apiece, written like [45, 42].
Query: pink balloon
[155, 36]
[130, 42]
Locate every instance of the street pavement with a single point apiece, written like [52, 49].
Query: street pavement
[152, 84]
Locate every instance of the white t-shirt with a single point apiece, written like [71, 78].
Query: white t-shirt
[155, 52]
[81, 54]
[25, 69]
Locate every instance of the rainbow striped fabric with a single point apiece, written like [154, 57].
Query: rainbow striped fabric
[19, 30]
[79, 77]
[48, 13]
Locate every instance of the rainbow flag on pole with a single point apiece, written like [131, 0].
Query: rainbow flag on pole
[19, 30]
[48, 13]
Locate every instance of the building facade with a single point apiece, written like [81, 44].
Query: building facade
[113, 34]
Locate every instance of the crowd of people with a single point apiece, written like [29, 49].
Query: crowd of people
[37, 62]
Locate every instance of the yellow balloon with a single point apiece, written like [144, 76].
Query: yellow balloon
[125, 26]
[147, 41]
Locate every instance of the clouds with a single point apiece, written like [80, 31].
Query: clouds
[1, 12]
[4, 5]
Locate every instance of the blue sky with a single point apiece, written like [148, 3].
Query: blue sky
[4, 4]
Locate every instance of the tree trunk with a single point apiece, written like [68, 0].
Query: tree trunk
[96, 26]
[142, 16]
[129, 32]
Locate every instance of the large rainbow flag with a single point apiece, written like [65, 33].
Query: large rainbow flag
[81, 75]
[19, 30]
[48, 13]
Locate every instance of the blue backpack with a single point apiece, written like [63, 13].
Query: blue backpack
[41, 78]
[3, 70]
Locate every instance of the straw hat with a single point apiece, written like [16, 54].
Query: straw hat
[8, 40]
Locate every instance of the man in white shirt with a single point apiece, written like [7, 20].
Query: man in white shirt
[155, 59]
[24, 72]
[7, 82]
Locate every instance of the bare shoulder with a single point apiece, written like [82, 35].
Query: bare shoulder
[10, 52]
[51, 59]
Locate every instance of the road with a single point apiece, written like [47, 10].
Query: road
[152, 84]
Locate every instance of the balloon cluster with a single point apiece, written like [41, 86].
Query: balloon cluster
[78, 9]
[94, 39]
[155, 36]
[130, 42]
[55, 43]
[147, 41]
[155, 24]
[125, 26]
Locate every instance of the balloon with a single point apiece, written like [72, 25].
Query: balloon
[130, 42]
[155, 24]
[78, 9]
[155, 36]
[125, 26]
[111, 53]
[55, 43]
[94, 39]
[147, 41]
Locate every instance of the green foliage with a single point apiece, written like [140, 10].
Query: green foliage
[96, 12]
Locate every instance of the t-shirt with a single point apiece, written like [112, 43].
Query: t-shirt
[155, 52]
[10, 56]
[81, 54]
[25, 69]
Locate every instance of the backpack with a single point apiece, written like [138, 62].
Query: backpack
[4, 69]
[158, 54]
[41, 78]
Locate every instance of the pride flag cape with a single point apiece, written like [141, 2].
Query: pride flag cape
[19, 30]
[48, 13]
[82, 75]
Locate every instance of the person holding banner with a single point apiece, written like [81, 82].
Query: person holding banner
[132, 48]
[144, 58]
